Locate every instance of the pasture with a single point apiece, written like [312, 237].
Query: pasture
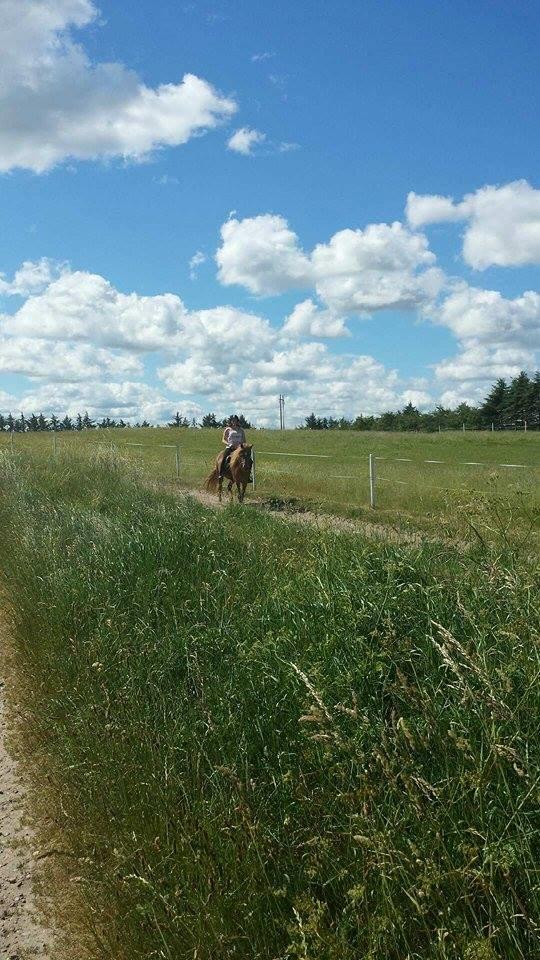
[260, 741]
[327, 471]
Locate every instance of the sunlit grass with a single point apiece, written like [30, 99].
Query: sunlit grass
[269, 742]
[332, 473]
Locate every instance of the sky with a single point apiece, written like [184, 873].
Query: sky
[207, 204]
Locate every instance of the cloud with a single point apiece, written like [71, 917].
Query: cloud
[56, 104]
[165, 180]
[357, 271]
[422, 210]
[308, 320]
[262, 254]
[31, 278]
[485, 316]
[42, 359]
[195, 262]
[498, 337]
[85, 307]
[503, 223]
[82, 340]
[260, 57]
[244, 140]
[484, 363]
[128, 400]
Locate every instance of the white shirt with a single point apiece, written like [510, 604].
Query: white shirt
[234, 437]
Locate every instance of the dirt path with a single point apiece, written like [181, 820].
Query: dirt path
[22, 937]
[323, 521]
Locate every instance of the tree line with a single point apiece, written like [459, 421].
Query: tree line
[513, 405]
[40, 423]
[509, 406]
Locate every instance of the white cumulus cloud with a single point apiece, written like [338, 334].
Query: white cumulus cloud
[244, 140]
[262, 254]
[357, 271]
[30, 278]
[42, 359]
[56, 103]
[503, 223]
[308, 320]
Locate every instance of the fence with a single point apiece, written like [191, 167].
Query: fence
[373, 477]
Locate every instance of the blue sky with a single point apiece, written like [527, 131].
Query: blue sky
[114, 177]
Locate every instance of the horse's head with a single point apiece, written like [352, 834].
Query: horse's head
[245, 459]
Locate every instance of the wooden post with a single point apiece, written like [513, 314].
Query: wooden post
[372, 479]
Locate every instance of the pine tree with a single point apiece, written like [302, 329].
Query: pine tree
[517, 399]
[533, 419]
[87, 422]
[493, 407]
[178, 421]
[209, 421]
[67, 423]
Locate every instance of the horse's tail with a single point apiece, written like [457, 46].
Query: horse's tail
[211, 482]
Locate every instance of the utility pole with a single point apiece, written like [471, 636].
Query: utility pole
[281, 412]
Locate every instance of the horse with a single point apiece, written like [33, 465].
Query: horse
[237, 471]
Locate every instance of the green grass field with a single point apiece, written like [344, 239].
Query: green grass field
[267, 742]
[328, 470]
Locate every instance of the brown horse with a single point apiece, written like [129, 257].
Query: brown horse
[237, 471]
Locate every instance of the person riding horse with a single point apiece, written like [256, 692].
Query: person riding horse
[233, 437]
[234, 464]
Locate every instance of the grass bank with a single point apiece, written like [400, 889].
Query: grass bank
[272, 743]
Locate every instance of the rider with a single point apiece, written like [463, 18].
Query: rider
[233, 437]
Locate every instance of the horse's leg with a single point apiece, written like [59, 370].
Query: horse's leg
[220, 488]
[229, 488]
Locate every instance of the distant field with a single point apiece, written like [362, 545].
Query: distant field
[329, 470]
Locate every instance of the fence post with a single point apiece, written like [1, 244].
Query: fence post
[492, 426]
[177, 459]
[372, 478]
[525, 426]
[463, 427]
[253, 468]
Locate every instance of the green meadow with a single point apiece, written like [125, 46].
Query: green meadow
[271, 742]
[328, 470]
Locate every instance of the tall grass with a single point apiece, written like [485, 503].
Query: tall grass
[269, 742]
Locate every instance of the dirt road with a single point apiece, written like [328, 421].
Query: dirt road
[22, 937]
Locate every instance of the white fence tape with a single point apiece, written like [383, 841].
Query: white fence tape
[460, 463]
